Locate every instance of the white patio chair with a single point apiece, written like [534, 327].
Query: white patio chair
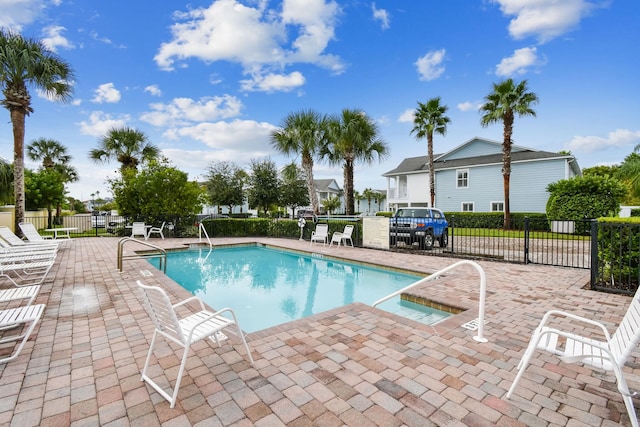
[28, 293]
[320, 234]
[27, 317]
[343, 237]
[609, 354]
[157, 230]
[185, 331]
[11, 240]
[25, 271]
[139, 229]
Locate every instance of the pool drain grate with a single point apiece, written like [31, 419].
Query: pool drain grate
[473, 324]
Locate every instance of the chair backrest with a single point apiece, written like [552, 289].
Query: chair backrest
[348, 230]
[138, 228]
[30, 232]
[161, 312]
[162, 226]
[627, 337]
[8, 236]
[322, 229]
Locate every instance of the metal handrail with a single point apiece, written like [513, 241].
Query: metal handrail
[436, 275]
[201, 230]
[162, 255]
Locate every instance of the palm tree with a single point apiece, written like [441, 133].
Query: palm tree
[429, 118]
[25, 62]
[126, 145]
[303, 133]
[352, 136]
[54, 156]
[502, 105]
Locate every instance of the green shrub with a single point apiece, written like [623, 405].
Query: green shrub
[619, 252]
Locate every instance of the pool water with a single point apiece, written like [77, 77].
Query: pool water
[267, 287]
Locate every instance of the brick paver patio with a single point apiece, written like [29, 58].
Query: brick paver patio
[354, 366]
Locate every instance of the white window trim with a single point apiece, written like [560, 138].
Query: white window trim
[497, 201]
[458, 171]
[473, 206]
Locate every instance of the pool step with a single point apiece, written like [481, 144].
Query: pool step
[418, 312]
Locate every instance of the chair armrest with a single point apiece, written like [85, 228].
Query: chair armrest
[571, 316]
[188, 300]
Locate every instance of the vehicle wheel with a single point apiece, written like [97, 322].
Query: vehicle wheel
[428, 240]
[444, 239]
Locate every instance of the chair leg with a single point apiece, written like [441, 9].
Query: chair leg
[146, 363]
[174, 396]
[524, 362]
[246, 345]
[626, 395]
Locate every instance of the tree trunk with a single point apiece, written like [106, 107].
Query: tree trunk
[348, 187]
[18, 120]
[307, 166]
[506, 167]
[432, 173]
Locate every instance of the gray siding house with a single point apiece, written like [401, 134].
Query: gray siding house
[469, 178]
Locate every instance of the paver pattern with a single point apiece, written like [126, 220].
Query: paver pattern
[353, 366]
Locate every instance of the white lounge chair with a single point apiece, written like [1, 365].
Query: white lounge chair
[157, 230]
[609, 353]
[27, 317]
[320, 234]
[25, 272]
[11, 240]
[139, 229]
[28, 293]
[343, 237]
[185, 331]
[33, 237]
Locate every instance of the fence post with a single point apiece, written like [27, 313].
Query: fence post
[526, 240]
[594, 252]
[452, 228]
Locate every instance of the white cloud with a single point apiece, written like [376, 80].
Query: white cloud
[181, 111]
[199, 160]
[53, 38]
[154, 90]
[251, 136]
[469, 106]
[545, 19]
[100, 122]
[429, 66]
[219, 33]
[106, 93]
[273, 82]
[519, 63]
[407, 116]
[17, 13]
[616, 139]
[381, 15]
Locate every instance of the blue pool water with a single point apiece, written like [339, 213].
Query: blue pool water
[268, 287]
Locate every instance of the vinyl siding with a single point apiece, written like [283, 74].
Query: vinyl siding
[528, 185]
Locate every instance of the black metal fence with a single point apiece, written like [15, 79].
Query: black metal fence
[528, 240]
[616, 257]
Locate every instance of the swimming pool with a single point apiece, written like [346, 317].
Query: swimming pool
[268, 287]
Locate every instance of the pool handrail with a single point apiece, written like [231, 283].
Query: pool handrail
[162, 253]
[201, 230]
[437, 275]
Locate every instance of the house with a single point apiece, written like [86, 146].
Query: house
[469, 178]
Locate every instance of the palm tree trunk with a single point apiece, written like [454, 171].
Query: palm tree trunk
[506, 168]
[432, 173]
[307, 166]
[17, 120]
[348, 187]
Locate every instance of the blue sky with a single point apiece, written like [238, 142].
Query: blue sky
[209, 80]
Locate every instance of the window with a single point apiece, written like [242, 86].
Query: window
[463, 178]
[497, 206]
[467, 207]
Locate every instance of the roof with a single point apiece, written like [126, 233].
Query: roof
[329, 185]
[419, 164]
